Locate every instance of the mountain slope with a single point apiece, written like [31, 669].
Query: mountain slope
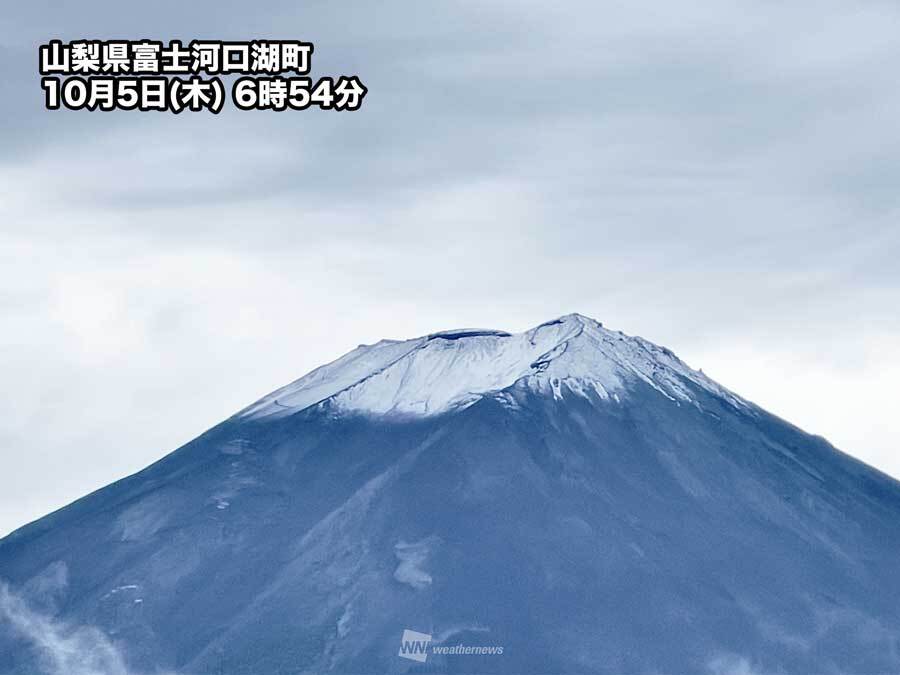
[579, 497]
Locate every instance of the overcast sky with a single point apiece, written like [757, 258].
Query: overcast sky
[720, 178]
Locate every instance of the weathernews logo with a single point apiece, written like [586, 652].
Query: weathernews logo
[415, 646]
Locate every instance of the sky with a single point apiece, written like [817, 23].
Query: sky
[719, 178]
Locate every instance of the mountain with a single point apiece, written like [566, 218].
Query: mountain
[575, 498]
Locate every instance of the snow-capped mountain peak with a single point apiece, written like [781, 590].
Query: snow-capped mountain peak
[609, 510]
[450, 369]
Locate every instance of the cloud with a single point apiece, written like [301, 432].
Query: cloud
[61, 649]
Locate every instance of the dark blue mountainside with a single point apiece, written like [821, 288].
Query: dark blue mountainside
[577, 496]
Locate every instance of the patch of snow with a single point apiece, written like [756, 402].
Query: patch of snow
[119, 589]
[685, 478]
[448, 633]
[238, 446]
[412, 557]
[343, 624]
[144, 519]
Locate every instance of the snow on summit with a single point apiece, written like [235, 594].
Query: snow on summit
[452, 369]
